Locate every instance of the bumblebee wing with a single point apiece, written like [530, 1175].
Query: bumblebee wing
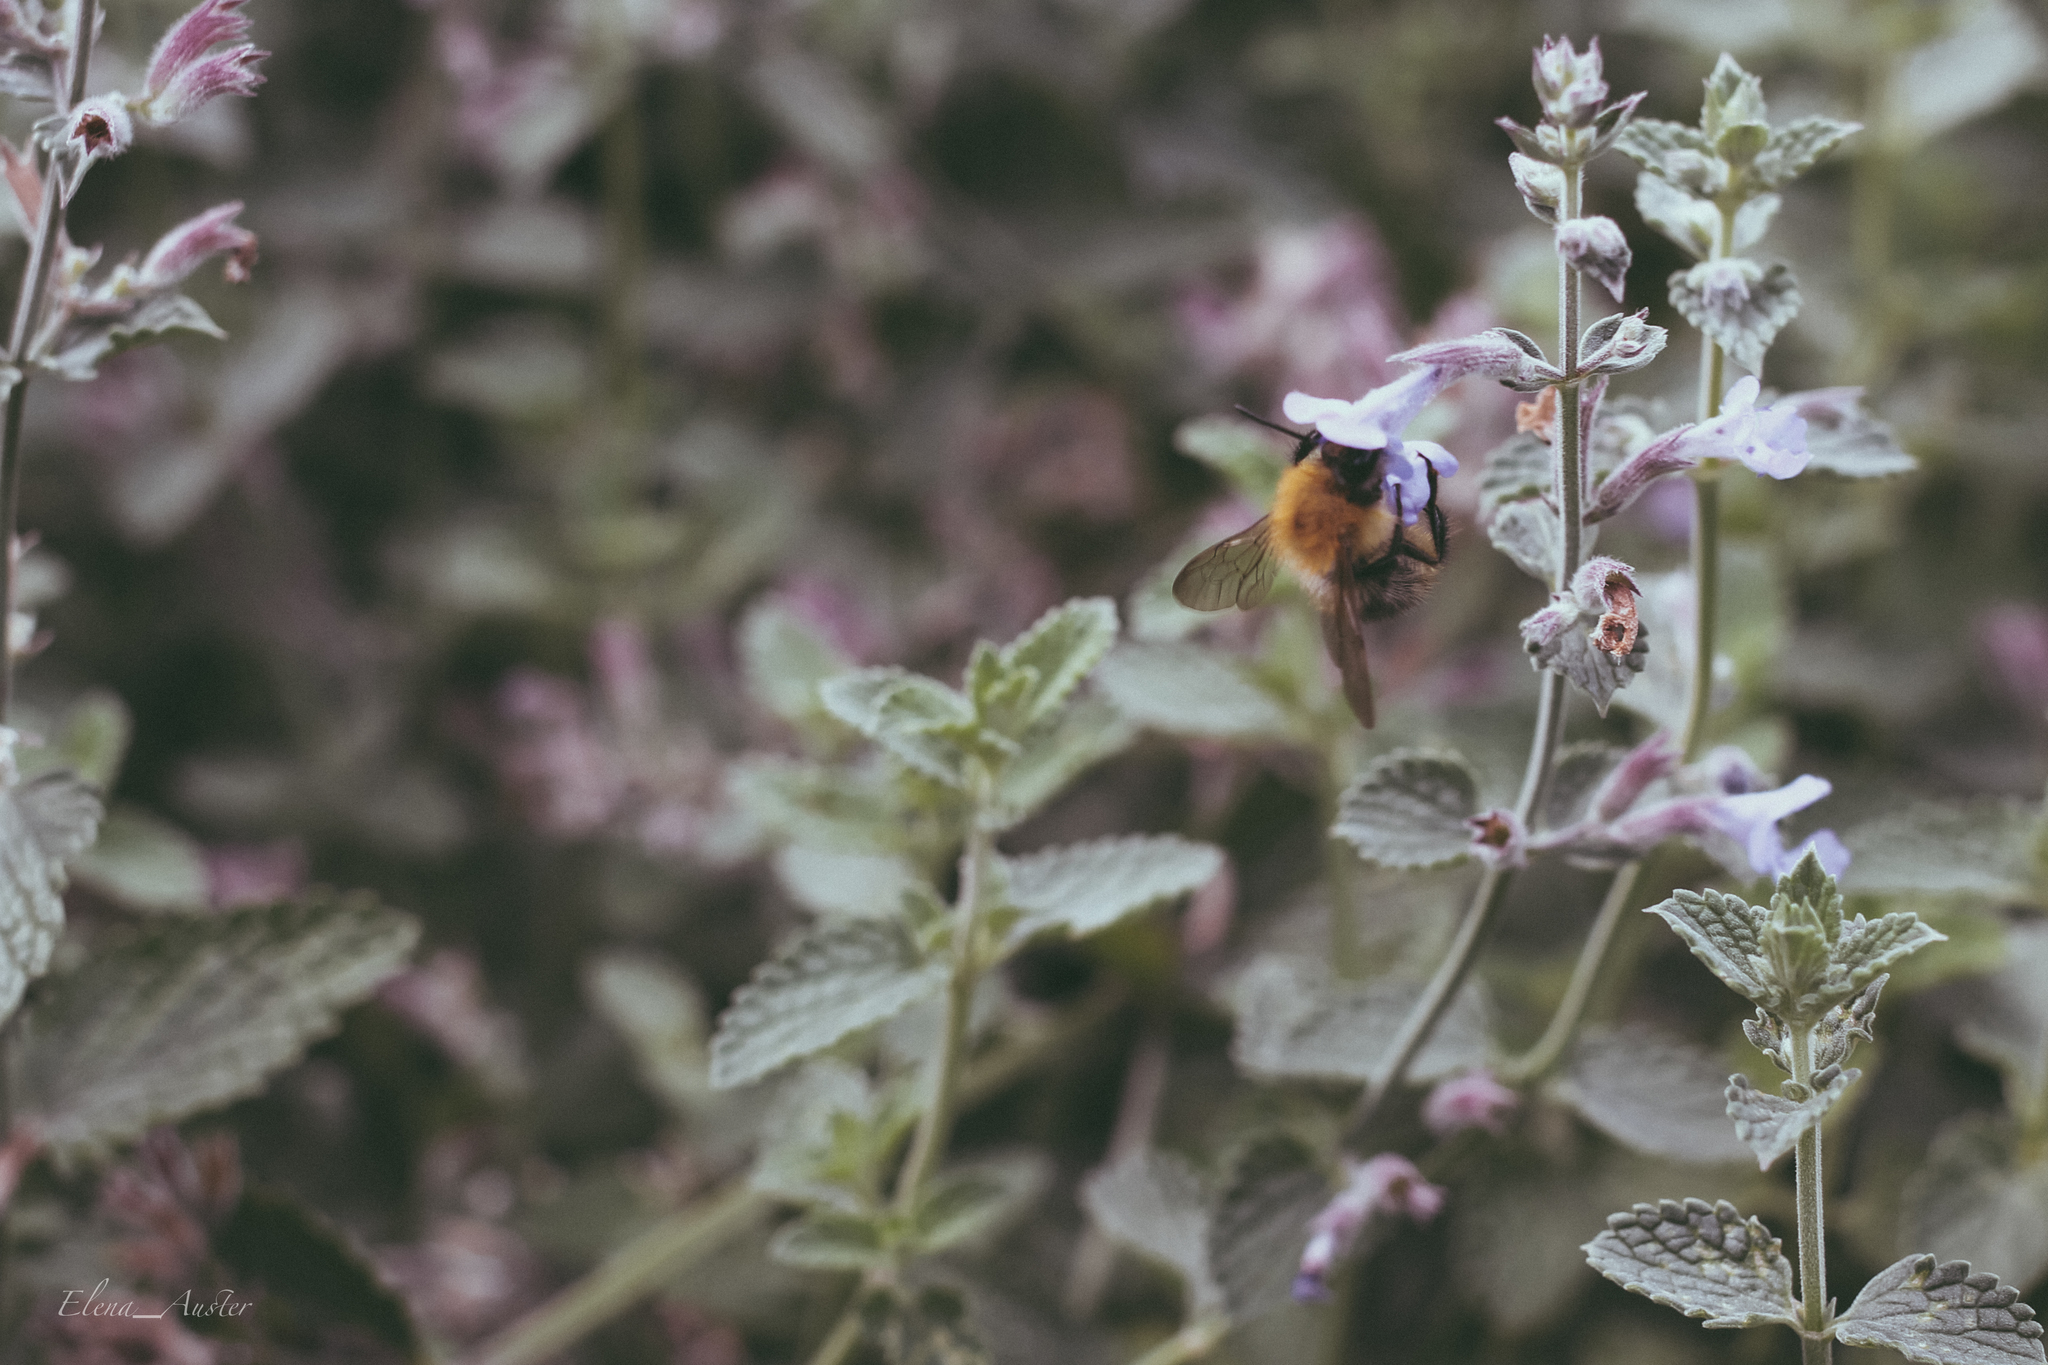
[1237, 572]
[1344, 636]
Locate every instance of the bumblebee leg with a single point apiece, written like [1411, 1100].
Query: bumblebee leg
[1439, 529]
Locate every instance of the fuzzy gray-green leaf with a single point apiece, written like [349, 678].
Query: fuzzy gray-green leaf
[1085, 887]
[826, 984]
[1154, 1203]
[1942, 1315]
[1980, 1196]
[1652, 1093]
[911, 716]
[196, 1012]
[1794, 148]
[1983, 847]
[1703, 1259]
[829, 1241]
[973, 1199]
[1261, 1224]
[1725, 932]
[44, 822]
[1408, 809]
[1061, 648]
[1772, 1124]
[1529, 533]
[1295, 1020]
[1186, 689]
[1738, 303]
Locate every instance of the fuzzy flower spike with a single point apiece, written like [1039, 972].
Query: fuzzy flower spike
[186, 70]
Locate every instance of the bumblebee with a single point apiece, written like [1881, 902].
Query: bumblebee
[1332, 525]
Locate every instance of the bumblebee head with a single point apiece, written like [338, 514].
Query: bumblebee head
[1358, 470]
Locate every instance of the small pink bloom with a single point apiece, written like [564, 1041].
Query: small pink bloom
[100, 127]
[1499, 837]
[1384, 1184]
[195, 241]
[185, 72]
[255, 874]
[1473, 1100]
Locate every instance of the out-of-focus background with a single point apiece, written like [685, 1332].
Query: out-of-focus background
[595, 341]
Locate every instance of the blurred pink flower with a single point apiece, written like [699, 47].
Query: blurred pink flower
[1386, 1184]
[1319, 314]
[2014, 637]
[1473, 1100]
[255, 874]
[80, 1339]
[559, 769]
[444, 998]
[467, 1277]
[171, 1195]
[1063, 451]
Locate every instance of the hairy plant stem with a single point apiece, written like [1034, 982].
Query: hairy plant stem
[664, 1251]
[1191, 1342]
[67, 91]
[934, 1124]
[653, 1258]
[1706, 535]
[1492, 892]
[1342, 878]
[1558, 1035]
[1814, 1349]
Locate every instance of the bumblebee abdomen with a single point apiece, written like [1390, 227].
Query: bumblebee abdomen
[1313, 522]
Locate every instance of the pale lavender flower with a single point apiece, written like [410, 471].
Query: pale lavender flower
[195, 241]
[185, 71]
[1751, 820]
[1596, 247]
[2014, 636]
[1473, 1100]
[1385, 1184]
[1654, 758]
[1770, 441]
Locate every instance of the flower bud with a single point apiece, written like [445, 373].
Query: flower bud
[1620, 343]
[191, 243]
[185, 71]
[1542, 185]
[1596, 247]
[1569, 83]
[1473, 1100]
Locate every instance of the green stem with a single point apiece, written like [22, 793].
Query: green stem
[1813, 1272]
[1557, 1038]
[1492, 892]
[656, 1257]
[28, 308]
[936, 1121]
[1706, 534]
[1191, 1342]
[1341, 876]
[845, 1333]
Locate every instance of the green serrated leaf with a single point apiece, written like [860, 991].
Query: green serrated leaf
[1156, 1204]
[196, 1012]
[1942, 1315]
[1793, 149]
[44, 822]
[1738, 303]
[152, 321]
[1673, 152]
[1983, 847]
[830, 1241]
[1652, 1093]
[828, 983]
[1061, 648]
[1236, 449]
[931, 1329]
[972, 1200]
[834, 882]
[1261, 1224]
[1083, 734]
[1868, 947]
[2005, 1018]
[661, 1016]
[784, 659]
[1408, 809]
[1734, 98]
[1189, 690]
[1726, 933]
[827, 1135]
[144, 863]
[1529, 533]
[275, 1241]
[1693, 223]
[1772, 1124]
[1082, 888]
[1980, 1197]
[842, 807]
[1297, 1021]
[919, 721]
[1705, 1260]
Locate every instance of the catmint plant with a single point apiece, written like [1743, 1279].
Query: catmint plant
[1814, 976]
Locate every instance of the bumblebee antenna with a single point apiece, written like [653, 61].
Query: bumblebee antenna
[1269, 424]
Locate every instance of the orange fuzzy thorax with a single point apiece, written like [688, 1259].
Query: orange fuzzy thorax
[1313, 522]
